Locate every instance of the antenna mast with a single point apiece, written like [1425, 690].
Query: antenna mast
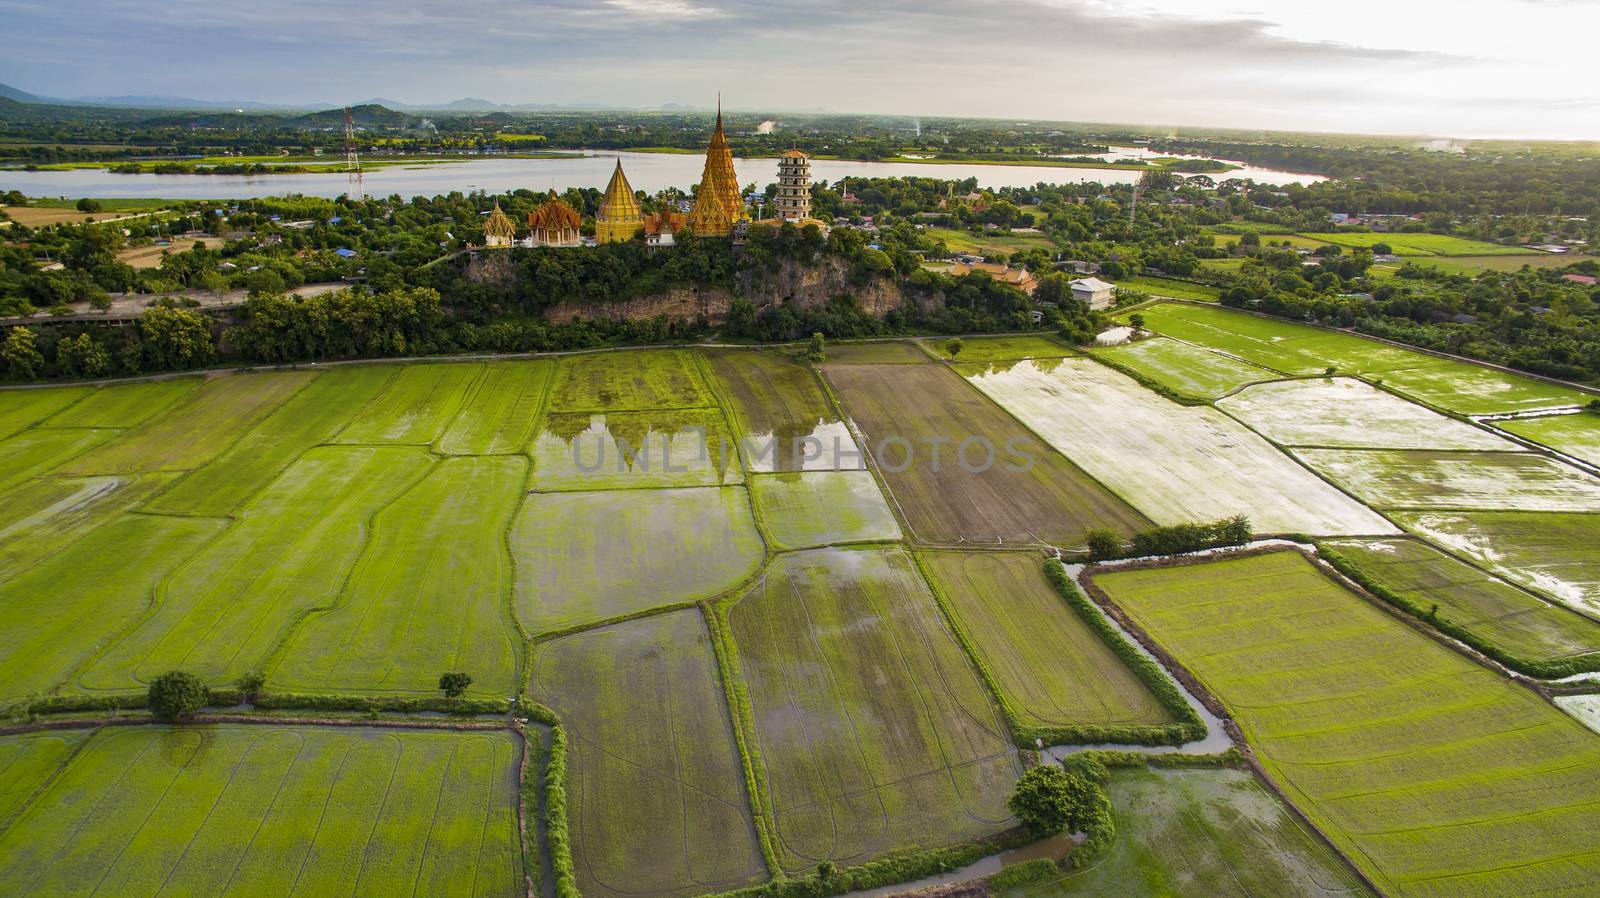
[352, 162]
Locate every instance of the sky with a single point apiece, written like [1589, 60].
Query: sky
[1458, 68]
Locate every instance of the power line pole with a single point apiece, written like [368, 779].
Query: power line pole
[352, 162]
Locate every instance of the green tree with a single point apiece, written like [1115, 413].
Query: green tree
[1137, 320]
[82, 356]
[454, 684]
[1103, 544]
[816, 349]
[89, 205]
[1049, 800]
[176, 695]
[176, 338]
[954, 347]
[21, 355]
[252, 683]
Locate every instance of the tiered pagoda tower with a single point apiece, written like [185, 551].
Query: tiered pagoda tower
[793, 201]
[499, 231]
[619, 219]
[717, 207]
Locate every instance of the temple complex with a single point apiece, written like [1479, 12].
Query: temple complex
[619, 218]
[718, 206]
[554, 223]
[499, 231]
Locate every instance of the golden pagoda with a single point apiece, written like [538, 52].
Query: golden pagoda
[717, 207]
[619, 219]
[499, 231]
[554, 223]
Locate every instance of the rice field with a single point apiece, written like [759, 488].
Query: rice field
[654, 781]
[623, 381]
[1186, 369]
[1192, 464]
[1200, 834]
[1168, 287]
[582, 558]
[635, 450]
[998, 349]
[39, 450]
[884, 352]
[1051, 669]
[783, 418]
[1516, 621]
[418, 404]
[1345, 412]
[48, 514]
[21, 409]
[1023, 492]
[1575, 435]
[500, 412]
[27, 762]
[1492, 481]
[122, 405]
[430, 593]
[808, 509]
[1436, 776]
[875, 733]
[256, 811]
[1468, 389]
[1408, 244]
[1551, 553]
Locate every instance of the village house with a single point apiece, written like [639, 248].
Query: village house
[1021, 278]
[1094, 293]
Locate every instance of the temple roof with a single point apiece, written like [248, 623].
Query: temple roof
[619, 203]
[554, 214]
[499, 224]
[717, 207]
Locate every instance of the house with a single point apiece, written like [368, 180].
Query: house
[1093, 292]
[1583, 279]
[1021, 278]
[1078, 266]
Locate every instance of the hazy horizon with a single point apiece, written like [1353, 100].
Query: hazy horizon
[1512, 69]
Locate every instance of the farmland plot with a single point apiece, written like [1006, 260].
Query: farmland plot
[1407, 244]
[1437, 776]
[222, 614]
[58, 613]
[200, 429]
[586, 557]
[623, 450]
[20, 409]
[27, 762]
[258, 811]
[1175, 464]
[885, 352]
[416, 408]
[1201, 834]
[41, 449]
[1510, 481]
[875, 733]
[622, 381]
[1575, 435]
[312, 416]
[802, 510]
[1552, 553]
[999, 349]
[45, 515]
[1052, 669]
[125, 405]
[1515, 621]
[784, 419]
[1186, 368]
[500, 414]
[428, 595]
[1469, 389]
[1344, 412]
[916, 419]
[654, 781]
[1277, 344]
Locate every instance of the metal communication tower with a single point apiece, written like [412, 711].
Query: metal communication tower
[352, 162]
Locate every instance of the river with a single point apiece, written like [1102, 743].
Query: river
[649, 172]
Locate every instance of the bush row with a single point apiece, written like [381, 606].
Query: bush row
[1178, 539]
[1189, 726]
[556, 832]
[885, 872]
[738, 698]
[1546, 669]
[223, 697]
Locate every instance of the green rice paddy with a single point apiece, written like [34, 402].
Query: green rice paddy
[807, 509]
[1576, 435]
[1186, 369]
[998, 349]
[1408, 244]
[1548, 552]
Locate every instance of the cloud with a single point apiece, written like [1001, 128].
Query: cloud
[663, 8]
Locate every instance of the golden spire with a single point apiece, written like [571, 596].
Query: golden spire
[498, 229]
[619, 217]
[717, 207]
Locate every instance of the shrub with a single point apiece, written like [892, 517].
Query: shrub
[1049, 800]
[1181, 538]
[250, 684]
[176, 695]
[454, 684]
[1103, 544]
[954, 347]
[1088, 766]
[1026, 873]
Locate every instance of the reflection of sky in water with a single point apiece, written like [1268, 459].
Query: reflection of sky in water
[632, 445]
[828, 446]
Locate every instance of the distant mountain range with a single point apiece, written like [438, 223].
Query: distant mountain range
[465, 104]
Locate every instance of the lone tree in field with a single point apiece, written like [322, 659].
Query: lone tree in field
[176, 695]
[1049, 800]
[817, 349]
[455, 683]
[1103, 544]
[954, 347]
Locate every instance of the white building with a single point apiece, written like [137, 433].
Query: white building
[793, 201]
[1093, 292]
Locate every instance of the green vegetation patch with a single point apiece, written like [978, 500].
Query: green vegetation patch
[1575, 435]
[430, 594]
[42, 449]
[223, 613]
[879, 352]
[655, 787]
[587, 557]
[802, 510]
[990, 243]
[1345, 412]
[1186, 369]
[189, 435]
[875, 732]
[125, 405]
[1405, 244]
[1027, 492]
[1051, 669]
[1276, 344]
[254, 810]
[1552, 553]
[1168, 287]
[20, 409]
[622, 450]
[419, 404]
[1506, 481]
[27, 762]
[42, 516]
[1506, 618]
[1436, 775]
[501, 412]
[313, 416]
[998, 349]
[57, 614]
[784, 419]
[1201, 833]
[620, 381]
[1469, 389]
